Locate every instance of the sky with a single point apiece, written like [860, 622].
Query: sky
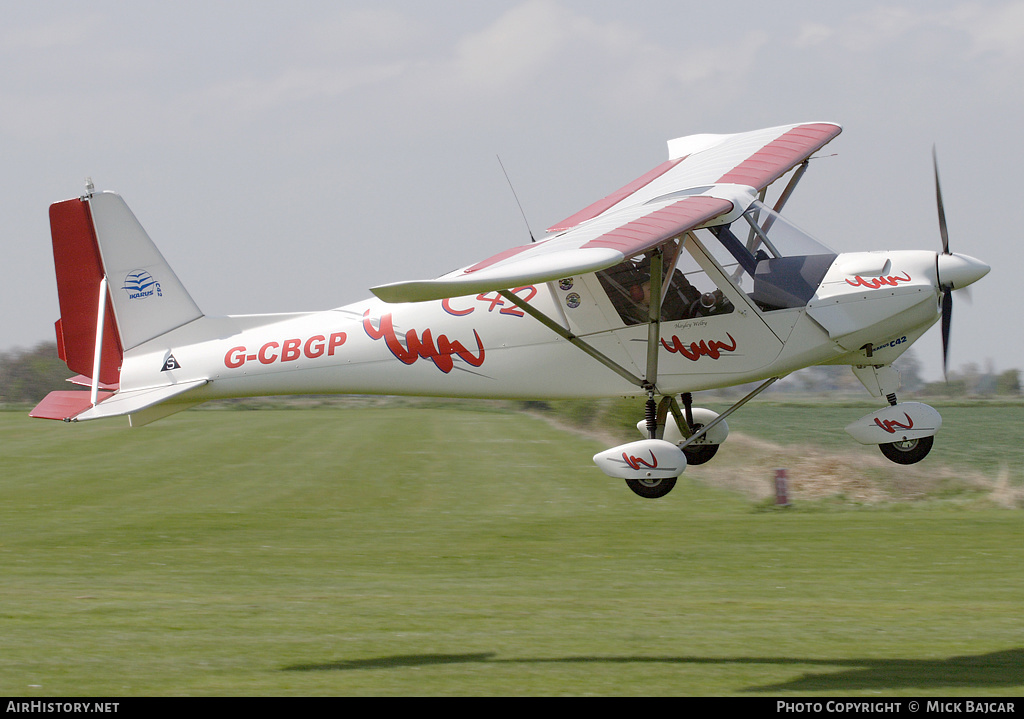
[289, 156]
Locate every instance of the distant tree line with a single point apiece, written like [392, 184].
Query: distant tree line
[969, 380]
[28, 375]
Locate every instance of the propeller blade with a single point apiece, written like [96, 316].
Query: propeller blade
[947, 320]
[938, 201]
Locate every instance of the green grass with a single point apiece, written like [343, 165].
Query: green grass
[979, 436]
[440, 551]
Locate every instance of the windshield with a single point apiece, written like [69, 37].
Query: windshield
[776, 263]
[767, 228]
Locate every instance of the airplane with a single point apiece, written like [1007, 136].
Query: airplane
[685, 279]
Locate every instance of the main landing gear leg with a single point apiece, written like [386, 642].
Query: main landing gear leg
[911, 424]
[653, 487]
[695, 453]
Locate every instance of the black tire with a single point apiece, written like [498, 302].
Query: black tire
[700, 453]
[908, 452]
[651, 488]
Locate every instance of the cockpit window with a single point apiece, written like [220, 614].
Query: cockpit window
[776, 263]
[688, 292]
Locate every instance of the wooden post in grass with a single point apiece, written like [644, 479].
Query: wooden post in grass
[781, 488]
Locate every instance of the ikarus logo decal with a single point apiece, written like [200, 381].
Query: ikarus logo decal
[140, 284]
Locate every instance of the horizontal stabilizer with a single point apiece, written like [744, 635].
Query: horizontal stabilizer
[65, 404]
[137, 400]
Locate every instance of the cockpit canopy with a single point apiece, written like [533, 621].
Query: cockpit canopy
[774, 262]
[778, 265]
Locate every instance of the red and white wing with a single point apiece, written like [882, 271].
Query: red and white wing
[708, 179]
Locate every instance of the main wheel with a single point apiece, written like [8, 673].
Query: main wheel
[700, 453]
[909, 451]
[651, 488]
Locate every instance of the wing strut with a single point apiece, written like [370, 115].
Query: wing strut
[784, 197]
[654, 319]
[704, 430]
[653, 339]
[572, 339]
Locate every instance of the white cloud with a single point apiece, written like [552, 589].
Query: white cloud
[516, 46]
[813, 34]
[360, 33]
[542, 48]
[977, 28]
[54, 34]
[292, 86]
[999, 30]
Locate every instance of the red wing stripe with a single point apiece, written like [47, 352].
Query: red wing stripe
[501, 256]
[653, 229]
[613, 199]
[780, 155]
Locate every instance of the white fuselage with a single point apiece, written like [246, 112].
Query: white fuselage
[868, 309]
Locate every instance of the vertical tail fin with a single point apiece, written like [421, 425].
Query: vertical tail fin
[115, 290]
[94, 237]
[148, 298]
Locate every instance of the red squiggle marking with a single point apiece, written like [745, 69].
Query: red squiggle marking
[891, 425]
[635, 462]
[891, 281]
[695, 351]
[423, 347]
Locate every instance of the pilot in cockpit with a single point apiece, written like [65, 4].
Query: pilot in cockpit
[629, 287]
[681, 301]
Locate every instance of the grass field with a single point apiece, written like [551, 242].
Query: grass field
[415, 551]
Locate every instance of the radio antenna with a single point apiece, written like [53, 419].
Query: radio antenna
[532, 239]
